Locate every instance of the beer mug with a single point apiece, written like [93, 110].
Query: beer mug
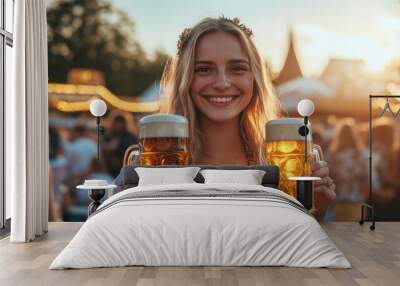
[163, 140]
[285, 149]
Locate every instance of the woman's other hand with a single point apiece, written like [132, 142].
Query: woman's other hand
[324, 190]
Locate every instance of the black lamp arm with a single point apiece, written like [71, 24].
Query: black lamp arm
[305, 138]
[303, 131]
[98, 137]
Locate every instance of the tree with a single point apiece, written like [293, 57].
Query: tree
[94, 34]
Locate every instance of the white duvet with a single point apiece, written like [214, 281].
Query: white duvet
[183, 231]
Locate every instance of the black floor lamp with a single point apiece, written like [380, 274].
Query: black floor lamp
[370, 205]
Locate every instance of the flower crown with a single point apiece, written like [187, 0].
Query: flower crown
[186, 33]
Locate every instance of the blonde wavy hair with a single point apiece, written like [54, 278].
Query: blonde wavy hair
[177, 78]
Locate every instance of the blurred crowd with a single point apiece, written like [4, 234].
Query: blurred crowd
[346, 147]
[345, 144]
[73, 159]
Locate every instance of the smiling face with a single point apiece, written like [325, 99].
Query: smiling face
[222, 84]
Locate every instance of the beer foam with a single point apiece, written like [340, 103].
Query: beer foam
[161, 117]
[285, 129]
[163, 125]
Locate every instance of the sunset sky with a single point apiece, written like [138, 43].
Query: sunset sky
[365, 29]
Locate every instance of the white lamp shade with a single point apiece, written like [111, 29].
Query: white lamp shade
[305, 107]
[98, 107]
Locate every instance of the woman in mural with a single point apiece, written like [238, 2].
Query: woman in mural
[218, 81]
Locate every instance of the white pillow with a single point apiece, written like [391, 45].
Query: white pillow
[248, 177]
[163, 176]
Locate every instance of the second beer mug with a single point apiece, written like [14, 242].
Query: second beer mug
[163, 140]
[285, 149]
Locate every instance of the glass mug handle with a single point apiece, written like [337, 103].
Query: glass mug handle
[317, 156]
[317, 153]
[132, 155]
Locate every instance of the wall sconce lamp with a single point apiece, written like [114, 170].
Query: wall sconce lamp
[98, 108]
[305, 109]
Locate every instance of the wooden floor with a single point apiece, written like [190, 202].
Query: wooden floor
[374, 255]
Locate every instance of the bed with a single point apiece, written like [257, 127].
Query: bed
[201, 224]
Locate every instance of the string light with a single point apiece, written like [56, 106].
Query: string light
[96, 90]
[387, 107]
